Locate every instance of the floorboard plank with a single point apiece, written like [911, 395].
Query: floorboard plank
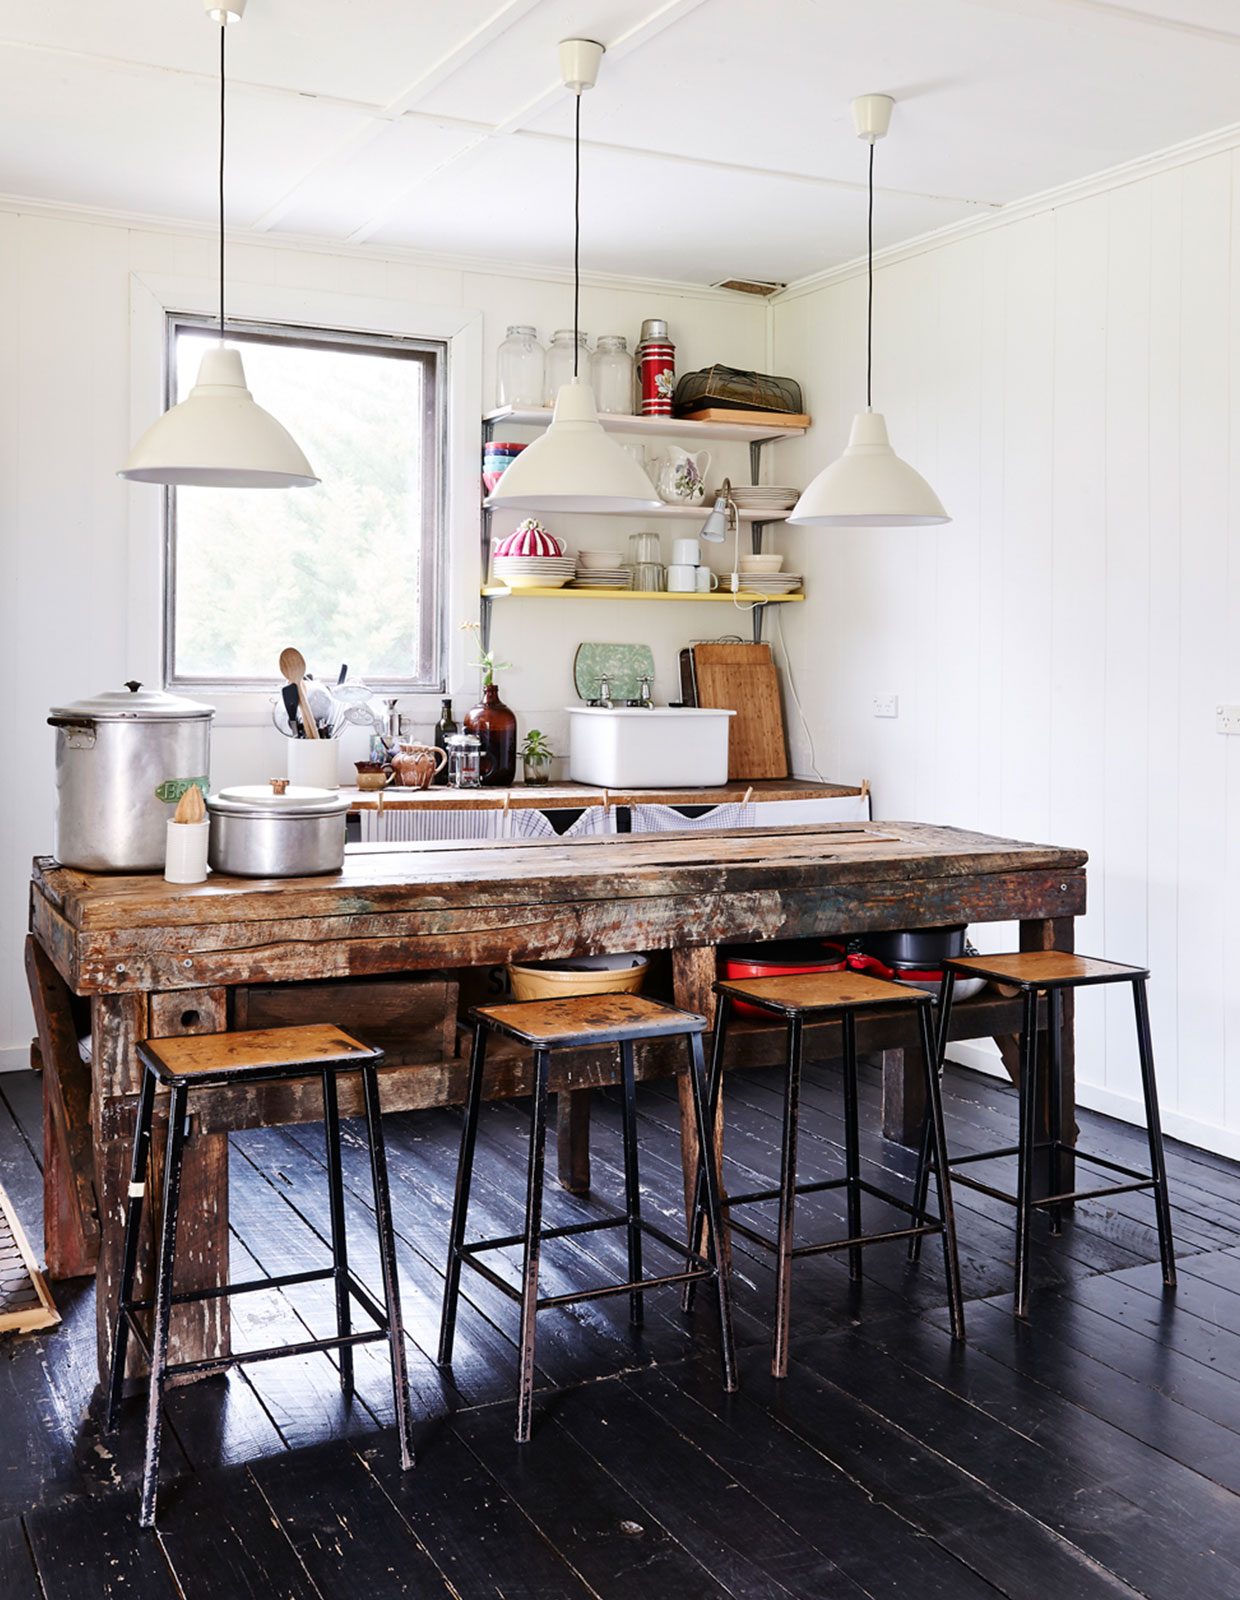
[95, 1550]
[18, 1579]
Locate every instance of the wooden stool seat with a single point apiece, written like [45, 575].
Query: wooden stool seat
[201, 1061]
[1040, 1090]
[1045, 969]
[587, 1019]
[215, 1058]
[799, 992]
[622, 1020]
[794, 997]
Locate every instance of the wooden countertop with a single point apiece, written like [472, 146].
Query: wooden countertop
[552, 796]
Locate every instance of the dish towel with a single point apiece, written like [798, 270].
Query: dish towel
[413, 825]
[666, 819]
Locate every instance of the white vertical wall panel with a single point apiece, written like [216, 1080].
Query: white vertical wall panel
[1070, 384]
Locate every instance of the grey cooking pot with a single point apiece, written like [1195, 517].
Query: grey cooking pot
[917, 947]
[123, 760]
[276, 830]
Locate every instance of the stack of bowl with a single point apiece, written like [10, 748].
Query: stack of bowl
[762, 575]
[497, 457]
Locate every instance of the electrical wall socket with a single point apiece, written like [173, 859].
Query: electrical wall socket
[886, 705]
[1227, 719]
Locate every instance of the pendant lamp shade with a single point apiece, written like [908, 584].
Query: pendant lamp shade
[869, 486]
[218, 438]
[575, 466]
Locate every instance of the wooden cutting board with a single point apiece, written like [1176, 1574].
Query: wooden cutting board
[743, 678]
[749, 419]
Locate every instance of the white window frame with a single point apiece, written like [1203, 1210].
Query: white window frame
[152, 300]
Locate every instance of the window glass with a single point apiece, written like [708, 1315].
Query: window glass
[346, 571]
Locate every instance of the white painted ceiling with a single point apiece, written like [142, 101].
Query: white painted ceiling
[718, 142]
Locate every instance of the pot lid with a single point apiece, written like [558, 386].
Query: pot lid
[133, 703]
[277, 798]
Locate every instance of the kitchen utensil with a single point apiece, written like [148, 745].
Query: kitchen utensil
[611, 374]
[623, 665]
[686, 552]
[682, 475]
[644, 547]
[705, 580]
[123, 758]
[749, 564]
[553, 980]
[416, 764]
[734, 389]
[743, 678]
[775, 959]
[467, 763]
[748, 419]
[682, 580]
[373, 775]
[186, 846]
[602, 578]
[342, 674]
[927, 977]
[293, 666]
[292, 706]
[312, 763]
[608, 559]
[650, 576]
[923, 947]
[191, 807]
[276, 830]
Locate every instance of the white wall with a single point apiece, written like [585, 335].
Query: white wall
[79, 596]
[1070, 384]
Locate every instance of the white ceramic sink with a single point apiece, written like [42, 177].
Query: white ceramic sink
[659, 747]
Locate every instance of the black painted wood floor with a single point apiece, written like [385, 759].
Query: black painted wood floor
[1095, 1452]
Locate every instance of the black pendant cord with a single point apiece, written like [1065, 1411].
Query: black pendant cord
[869, 306]
[576, 232]
[223, 33]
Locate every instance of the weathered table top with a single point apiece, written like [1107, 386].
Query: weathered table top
[570, 796]
[409, 906]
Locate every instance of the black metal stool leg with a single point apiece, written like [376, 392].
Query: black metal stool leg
[937, 1133]
[163, 1301]
[632, 1183]
[460, 1202]
[709, 1177]
[922, 1185]
[1028, 1135]
[787, 1197]
[713, 1091]
[1054, 1101]
[387, 1256]
[533, 1240]
[1153, 1128]
[129, 1255]
[340, 1244]
[852, 1141]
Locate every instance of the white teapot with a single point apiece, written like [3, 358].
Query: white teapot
[682, 476]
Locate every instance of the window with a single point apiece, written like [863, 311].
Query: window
[348, 571]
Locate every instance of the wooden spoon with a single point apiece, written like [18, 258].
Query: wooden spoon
[293, 666]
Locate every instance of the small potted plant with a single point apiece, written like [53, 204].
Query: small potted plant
[536, 757]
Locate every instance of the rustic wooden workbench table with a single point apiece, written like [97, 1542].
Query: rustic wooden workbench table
[157, 959]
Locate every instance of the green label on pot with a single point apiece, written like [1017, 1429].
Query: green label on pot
[171, 789]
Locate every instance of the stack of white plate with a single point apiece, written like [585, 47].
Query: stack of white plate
[771, 499]
[770, 582]
[533, 572]
[603, 578]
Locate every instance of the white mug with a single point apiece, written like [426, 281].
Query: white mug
[686, 552]
[682, 579]
[706, 580]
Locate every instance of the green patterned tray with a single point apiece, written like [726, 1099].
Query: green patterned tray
[623, 665]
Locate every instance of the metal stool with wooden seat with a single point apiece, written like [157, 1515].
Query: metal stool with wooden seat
[814, 996]
[1053, 971]
[567, 1024]
[216, 1060]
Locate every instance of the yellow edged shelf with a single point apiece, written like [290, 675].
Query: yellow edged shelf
[499, 591]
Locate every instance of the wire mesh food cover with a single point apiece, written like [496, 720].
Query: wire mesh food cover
[729, 389]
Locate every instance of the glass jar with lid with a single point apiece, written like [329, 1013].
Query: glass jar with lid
[520, 368]
[560, 362]
[611, 374]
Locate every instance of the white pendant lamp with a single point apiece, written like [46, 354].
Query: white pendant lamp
[869, 486]
[575, 466]
[217, 437]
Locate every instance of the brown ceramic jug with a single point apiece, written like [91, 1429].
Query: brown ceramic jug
[416, 764]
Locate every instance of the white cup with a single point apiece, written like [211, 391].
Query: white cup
[706, 580]
[312, 763]
[682, 579]
[686, 552]
[185, 855]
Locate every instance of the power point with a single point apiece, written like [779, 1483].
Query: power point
[1227, 719]
[886, 705]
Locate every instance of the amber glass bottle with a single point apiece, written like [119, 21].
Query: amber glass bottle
[496, 726]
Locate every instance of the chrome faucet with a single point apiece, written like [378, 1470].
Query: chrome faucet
[603, 698]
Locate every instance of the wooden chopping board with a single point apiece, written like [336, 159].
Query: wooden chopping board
[743, 678]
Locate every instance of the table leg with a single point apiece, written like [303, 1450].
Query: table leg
[904, 1095]
[693, 976]
[572, 1132]
[1058, 933]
